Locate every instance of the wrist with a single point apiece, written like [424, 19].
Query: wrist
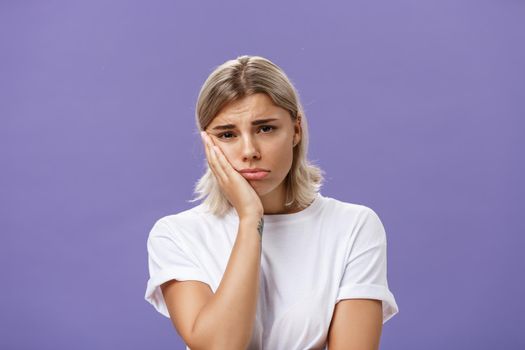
[250, 219]
[253, 222]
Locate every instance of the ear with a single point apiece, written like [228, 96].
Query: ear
[297, 131]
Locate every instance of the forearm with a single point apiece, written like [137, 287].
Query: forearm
[226, 321]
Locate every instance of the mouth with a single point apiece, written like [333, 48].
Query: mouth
[256, 175]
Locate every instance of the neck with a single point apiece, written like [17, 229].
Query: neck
[273, 202]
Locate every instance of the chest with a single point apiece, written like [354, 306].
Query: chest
[299, 280]
[296, 297]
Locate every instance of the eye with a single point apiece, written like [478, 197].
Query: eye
[224, 133]
[267, 126]
[225, 137]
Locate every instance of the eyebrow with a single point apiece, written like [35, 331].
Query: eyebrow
[232, 126]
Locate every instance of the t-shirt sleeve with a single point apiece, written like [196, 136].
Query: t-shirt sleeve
[365, 273]
[168, 260]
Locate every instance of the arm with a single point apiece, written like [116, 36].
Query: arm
[356, 325]
[223, 320]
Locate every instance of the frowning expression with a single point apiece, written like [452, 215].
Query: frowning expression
[253, 132]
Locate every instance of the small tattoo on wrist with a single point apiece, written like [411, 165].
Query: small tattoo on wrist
[260, 227]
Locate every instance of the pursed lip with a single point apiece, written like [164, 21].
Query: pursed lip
[253, 170]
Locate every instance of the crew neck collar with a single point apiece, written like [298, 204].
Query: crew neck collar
[272, 219]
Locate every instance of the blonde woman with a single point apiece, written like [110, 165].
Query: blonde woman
[266, 261]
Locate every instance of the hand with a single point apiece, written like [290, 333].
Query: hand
[235, 187]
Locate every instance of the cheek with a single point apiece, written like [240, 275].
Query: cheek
[281, 155]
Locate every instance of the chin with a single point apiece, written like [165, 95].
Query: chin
[261, 188]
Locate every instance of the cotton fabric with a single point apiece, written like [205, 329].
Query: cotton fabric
[330, 251]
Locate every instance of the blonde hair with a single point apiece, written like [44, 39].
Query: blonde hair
[238, 78]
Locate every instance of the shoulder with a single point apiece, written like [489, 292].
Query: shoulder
[193, 224]
[187, 220]
[349, 210]
[356, 219]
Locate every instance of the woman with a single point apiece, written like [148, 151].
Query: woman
[266, 261]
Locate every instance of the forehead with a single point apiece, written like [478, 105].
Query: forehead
[249, 107]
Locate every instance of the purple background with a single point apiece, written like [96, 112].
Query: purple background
[415, 109]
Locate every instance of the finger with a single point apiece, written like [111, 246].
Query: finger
[223, 161]
[207, 150]
[219, 156]
[219, 171]
[218, 168]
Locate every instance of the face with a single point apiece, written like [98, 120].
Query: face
[255, 133]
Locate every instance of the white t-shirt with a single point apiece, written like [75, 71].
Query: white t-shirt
[312, 259]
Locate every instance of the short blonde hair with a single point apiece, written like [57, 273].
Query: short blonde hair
[238, 78]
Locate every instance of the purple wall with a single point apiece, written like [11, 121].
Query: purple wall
[415, 109]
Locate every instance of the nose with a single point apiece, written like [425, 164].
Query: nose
[249, 149]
